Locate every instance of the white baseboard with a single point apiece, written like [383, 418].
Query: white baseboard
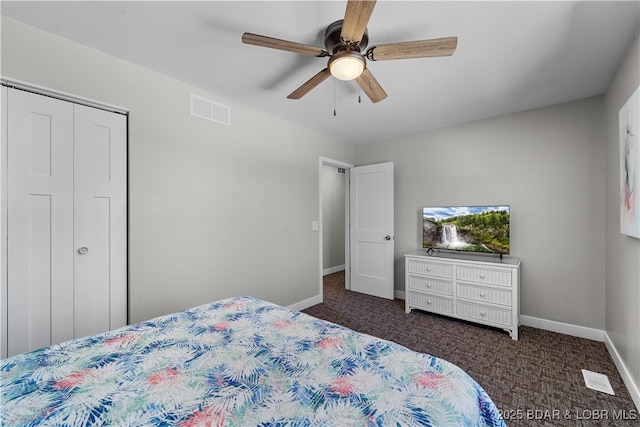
[634, 391]
[398, 294]
[549, 325]
[563, 328]
[299, 306]
[332, 270]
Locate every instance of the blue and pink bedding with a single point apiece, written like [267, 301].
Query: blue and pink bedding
[238, 362]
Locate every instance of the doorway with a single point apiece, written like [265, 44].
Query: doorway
[333, 218]
[368, 226]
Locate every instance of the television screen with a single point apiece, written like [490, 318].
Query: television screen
[466, 228]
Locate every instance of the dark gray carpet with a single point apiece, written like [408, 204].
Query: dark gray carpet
[535, 381]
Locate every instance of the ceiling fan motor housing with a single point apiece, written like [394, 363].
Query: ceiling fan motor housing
[334, 43]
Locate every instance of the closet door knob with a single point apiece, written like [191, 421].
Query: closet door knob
[83, 250]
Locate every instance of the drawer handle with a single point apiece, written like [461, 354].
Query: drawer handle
[429, 301]
[428, 268]
[429, 285]
[482, 275]
[482, 294]
[483, 313]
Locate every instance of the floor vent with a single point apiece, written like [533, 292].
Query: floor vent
[596, 381]
[209, 110]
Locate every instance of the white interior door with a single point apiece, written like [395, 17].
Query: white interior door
[40, 218]
[100, 257]
[372, 229]
[66, 221]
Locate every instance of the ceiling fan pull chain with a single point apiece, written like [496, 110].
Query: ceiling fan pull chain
[359, 93]
[334, 98]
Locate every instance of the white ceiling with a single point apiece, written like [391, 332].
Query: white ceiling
[511, 56]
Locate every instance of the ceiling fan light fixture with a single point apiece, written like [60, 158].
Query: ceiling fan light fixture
[346, 65]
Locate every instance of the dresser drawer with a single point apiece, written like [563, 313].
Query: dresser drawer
[484, 314]
[484, 275]
[430, 285]
[430, 268]
[431, 302]
[484, 294]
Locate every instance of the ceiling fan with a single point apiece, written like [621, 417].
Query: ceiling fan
[345, 40]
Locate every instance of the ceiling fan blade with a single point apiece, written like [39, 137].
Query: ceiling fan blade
[370, 86]
[310, 84]
[273, 43]
[415, 49]
[356, 18]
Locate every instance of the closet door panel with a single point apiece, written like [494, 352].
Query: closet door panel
[40, 218]
[100, 225]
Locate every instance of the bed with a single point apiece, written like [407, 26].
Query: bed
[238, 362]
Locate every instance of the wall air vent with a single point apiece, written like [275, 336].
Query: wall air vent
[209, 110]
[340, 171]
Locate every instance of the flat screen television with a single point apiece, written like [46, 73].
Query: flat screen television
[466, 228]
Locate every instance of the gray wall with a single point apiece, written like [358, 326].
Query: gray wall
[622, 252]
[333, 220]
[215, 211]
[548, 164]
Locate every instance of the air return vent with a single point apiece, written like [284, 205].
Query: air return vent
[209, 110]
[596, 381]
[340, 171]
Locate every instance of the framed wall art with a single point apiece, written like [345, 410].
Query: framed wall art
[629, 116]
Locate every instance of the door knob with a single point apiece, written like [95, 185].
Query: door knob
[387, 237]
[83, 250]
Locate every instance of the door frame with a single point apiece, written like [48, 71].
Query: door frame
[4, 330]
[53, 93]
[325, 161]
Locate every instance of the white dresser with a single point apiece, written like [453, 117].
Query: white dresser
[474, 287]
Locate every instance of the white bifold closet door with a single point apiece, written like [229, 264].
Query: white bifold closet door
[66, 221]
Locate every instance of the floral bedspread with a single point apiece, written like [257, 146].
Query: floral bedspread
[237, 362]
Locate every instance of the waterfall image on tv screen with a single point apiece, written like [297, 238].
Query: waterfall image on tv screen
[466, 228]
